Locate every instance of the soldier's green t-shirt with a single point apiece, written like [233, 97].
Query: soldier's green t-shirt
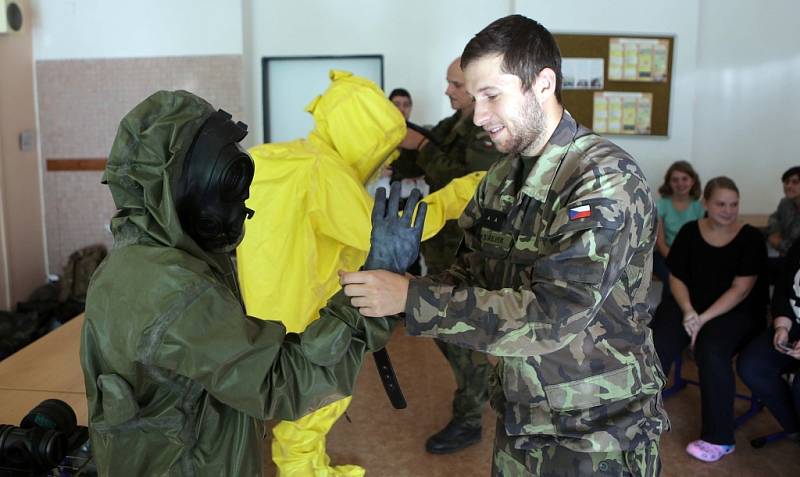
[527, 166]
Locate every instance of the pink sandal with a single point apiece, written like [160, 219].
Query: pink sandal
[708, 452]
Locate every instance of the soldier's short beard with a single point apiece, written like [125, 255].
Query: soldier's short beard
[529, 128]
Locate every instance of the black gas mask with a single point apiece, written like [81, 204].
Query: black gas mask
[214, 184]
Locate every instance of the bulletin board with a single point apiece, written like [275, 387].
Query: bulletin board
[618, 84]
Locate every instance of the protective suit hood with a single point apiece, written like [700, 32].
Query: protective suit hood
[145, 162]
[355, 119]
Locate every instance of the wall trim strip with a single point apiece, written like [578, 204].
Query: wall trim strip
[86, 164]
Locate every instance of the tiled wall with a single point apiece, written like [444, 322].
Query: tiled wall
[77, 211]
[80, 105]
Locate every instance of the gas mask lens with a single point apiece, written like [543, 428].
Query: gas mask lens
[236, 178]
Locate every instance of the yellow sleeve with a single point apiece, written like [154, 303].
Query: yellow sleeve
[449, 202]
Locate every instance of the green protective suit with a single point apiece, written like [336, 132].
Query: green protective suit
[178, 380]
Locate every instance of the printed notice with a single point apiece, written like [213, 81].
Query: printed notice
[622, 113]
[615, 60]
[638, 59]
[582, 73]
[600, 113]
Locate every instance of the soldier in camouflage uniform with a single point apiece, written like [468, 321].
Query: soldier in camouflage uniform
[459, 148]
[559, 240]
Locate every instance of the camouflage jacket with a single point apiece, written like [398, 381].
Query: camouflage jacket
[786, 221]
[463, 148]
[554, 282]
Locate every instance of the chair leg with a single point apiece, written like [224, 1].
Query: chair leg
[678, 383]
[760, 442]
[755, 408]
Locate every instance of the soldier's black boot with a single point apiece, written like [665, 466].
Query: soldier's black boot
[454, 437]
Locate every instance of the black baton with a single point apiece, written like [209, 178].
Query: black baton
[389, 379]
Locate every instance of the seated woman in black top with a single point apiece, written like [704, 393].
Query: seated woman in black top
[776, 351]
[717, 305]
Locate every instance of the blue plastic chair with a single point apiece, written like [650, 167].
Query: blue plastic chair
[760, 442]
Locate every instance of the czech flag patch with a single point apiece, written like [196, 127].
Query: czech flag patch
[581, 212]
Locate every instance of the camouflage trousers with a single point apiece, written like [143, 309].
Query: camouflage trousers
[471, 370]
[557, 461]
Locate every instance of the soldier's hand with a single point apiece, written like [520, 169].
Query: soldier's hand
[376, 293]
[394, 240]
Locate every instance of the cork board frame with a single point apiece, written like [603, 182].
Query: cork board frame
[580, 102]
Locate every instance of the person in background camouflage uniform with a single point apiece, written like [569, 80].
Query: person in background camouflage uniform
[459, 148]
[783, 227]
[559, 243]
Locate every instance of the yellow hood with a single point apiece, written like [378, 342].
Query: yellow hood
[354, 118]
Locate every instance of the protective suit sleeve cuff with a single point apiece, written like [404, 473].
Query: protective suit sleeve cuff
[375, 332]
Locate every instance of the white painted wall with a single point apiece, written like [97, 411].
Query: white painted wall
[418, 39]
[734, 100]
[80, 29]
[747, 97]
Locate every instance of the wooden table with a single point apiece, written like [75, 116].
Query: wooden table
[48, 368]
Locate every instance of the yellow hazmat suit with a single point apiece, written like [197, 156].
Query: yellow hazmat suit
[313, 219]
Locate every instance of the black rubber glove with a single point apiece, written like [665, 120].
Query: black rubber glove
[394, 242]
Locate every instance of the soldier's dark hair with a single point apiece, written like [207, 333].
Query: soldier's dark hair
[792, 171]
[681, 166]
[399, 92]
[527, 48]
[720, 182]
